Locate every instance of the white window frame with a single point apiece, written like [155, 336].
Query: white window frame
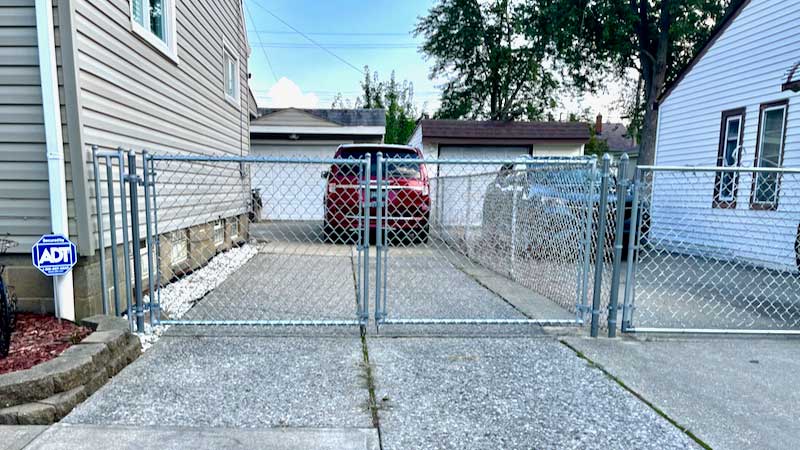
[228, 53]
[770, 204]
[737, 118]
[235, 229]
[179, 236]
[219, 227]
[168, 48]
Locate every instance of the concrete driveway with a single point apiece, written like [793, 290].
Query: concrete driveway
[732, 393]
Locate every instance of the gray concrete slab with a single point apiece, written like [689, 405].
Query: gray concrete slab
[13, 437]
[476, 393]
[731, 393]
[237, 382]
[92, 437]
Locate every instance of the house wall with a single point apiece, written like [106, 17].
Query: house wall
[134, 96]
[743, 69]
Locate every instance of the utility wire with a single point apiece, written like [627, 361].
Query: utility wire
[260, 43]
[360, 71]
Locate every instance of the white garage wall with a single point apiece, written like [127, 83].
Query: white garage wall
[291, 191]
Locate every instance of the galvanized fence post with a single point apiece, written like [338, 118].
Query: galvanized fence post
[126, 247]
[147, 181]
[599, 249]
[585, 267]
[364, 230]
[380, 304]
[98, 204]
[633, 252]
[622, 191]
[133, 184]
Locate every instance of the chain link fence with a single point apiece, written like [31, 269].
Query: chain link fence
[717, 251]
[487, 242]
[260, 241]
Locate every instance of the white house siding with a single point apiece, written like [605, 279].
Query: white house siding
[745, 67]
[24, 194]
[133, 96]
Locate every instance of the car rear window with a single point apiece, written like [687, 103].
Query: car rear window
[394, 170]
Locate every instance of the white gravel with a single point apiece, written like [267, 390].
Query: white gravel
[179, 297]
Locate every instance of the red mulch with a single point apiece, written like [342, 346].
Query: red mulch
[38, 338]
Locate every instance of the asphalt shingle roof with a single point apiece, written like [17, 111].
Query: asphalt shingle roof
[343, 117]
[473, 129]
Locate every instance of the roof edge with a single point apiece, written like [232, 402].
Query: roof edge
[733, 12]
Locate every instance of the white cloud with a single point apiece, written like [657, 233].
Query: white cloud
[286, 93]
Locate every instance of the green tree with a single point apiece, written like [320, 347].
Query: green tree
[590, 39]
[491, 69]
[397, 98]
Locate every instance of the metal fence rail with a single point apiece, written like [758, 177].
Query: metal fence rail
[716, 251]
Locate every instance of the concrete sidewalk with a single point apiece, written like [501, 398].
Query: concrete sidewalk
[732, 393]
[92, 437]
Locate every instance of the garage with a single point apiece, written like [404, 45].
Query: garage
[295, 192]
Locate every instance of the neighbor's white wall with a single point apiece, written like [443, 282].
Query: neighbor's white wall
[744, 68]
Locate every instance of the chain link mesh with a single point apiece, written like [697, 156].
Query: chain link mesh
[488, 242]
[272, 241]
[718, 250]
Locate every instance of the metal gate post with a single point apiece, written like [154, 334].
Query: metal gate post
[585, 266]
[366, 171]
[133, 184]
[98, 204]
[148, 182]
[599, 250]
[622, 188]
[633, 254]
[380, 306]
[126, 248]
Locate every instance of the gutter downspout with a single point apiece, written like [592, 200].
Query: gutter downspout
[51, 107]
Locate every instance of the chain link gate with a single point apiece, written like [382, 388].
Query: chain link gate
[263, 227]
[486, 241]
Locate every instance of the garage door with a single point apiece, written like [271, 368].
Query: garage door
[291, 192]
[463, 197]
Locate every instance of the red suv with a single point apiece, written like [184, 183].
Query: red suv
[407, 194]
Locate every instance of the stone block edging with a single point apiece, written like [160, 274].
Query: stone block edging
[44, 394]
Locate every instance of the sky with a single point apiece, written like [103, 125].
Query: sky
[289, 70]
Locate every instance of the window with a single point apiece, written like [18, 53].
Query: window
[154, 21]
[769, 154]
[231, 67]
[180, 247]
[235, 229]
[729, 155]
[219, 232]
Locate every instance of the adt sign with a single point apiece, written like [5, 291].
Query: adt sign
[54, 255]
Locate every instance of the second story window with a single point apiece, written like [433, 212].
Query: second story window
[231, 78]
[769, 154]
[729, 154]
[154, 20]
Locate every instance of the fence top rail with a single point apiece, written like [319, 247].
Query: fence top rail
[585, 161]
[791, 170]
[254, 159]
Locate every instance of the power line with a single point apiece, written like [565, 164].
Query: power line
[261, 44]
[309, 38]
[334, 33]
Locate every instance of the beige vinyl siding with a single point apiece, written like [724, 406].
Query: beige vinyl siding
[135, 97]
[24, 193]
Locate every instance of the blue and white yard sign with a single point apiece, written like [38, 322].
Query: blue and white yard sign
[54, 255]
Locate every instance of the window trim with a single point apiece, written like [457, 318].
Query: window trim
[235, 229]
[720, 202]
[227, 51]
[178, 236]
[219, 225]
[169, 48]
[769, 206]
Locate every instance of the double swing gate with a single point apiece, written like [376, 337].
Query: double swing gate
[387, 240]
